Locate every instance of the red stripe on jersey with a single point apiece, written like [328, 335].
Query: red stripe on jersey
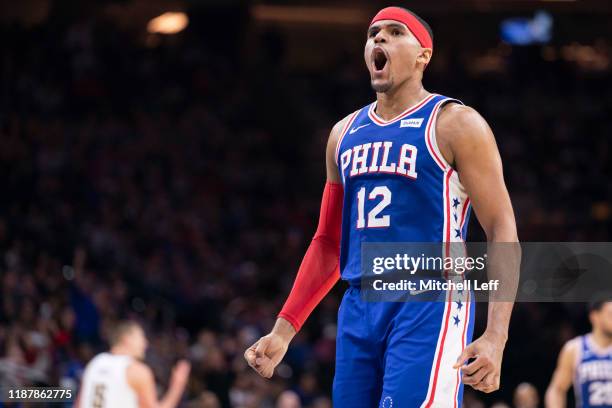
[348, 124]
[465, 207]
[437, 369]
[465, 325]
[428, 137]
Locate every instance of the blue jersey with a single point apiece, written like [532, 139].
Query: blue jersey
[397, 185]
[593, 377]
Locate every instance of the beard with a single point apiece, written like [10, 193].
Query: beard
[381, 87]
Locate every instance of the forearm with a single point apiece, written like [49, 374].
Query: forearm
[319, 270]
[503, 264]
[284, 329]
[318, 273]
[172, 396]
[555, 398]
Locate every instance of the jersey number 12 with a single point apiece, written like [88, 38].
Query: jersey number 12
[374, 220]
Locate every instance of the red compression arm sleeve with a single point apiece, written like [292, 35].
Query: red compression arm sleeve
[320, 268]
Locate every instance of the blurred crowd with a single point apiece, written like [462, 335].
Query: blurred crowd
[178, 184]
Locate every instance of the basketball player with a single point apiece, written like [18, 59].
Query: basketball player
[406, 168]
[587, 362]
[120, 379]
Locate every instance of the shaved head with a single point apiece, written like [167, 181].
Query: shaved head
[122, 330]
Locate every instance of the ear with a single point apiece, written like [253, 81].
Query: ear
[592, 317]
[424, 56]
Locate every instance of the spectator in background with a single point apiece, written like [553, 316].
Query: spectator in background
[288, 399]
[471, 400]
[321, 402]
[206, 399]
[500, 405]
[526, 396]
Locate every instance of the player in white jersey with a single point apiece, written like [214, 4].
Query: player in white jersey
[119, 379]
[586, 361]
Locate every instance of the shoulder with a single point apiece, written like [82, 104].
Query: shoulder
[462, 134]
[96, 360]
[461, 122]
[338, 129]
[139, 373]
[571, 350]
[574, 344]
[340, 126]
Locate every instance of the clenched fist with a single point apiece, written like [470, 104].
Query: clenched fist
[483, 373]
[268, 351]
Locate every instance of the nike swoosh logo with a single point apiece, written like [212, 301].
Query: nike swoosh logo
[417, 292]
[353, 130]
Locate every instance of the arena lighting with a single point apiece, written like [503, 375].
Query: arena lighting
[587, 57]
[168, 23]
[527, 31]
[309, 15]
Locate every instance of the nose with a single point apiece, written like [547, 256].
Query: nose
[380, 37]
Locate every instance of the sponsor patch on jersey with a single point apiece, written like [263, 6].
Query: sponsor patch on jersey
[413, 122]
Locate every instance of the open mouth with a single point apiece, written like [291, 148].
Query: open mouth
[380, 58]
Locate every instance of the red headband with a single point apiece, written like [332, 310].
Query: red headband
[414, 25]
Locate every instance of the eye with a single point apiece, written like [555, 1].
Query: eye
[396, 32]
[372, 33]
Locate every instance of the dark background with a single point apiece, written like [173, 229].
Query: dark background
[176, 179]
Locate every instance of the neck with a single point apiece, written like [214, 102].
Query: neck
[120, 351]
[393, 102]
[601, 339]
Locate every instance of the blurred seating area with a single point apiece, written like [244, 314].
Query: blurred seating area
[177, 182]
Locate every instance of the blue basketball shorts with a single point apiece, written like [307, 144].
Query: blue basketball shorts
[401, 354]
